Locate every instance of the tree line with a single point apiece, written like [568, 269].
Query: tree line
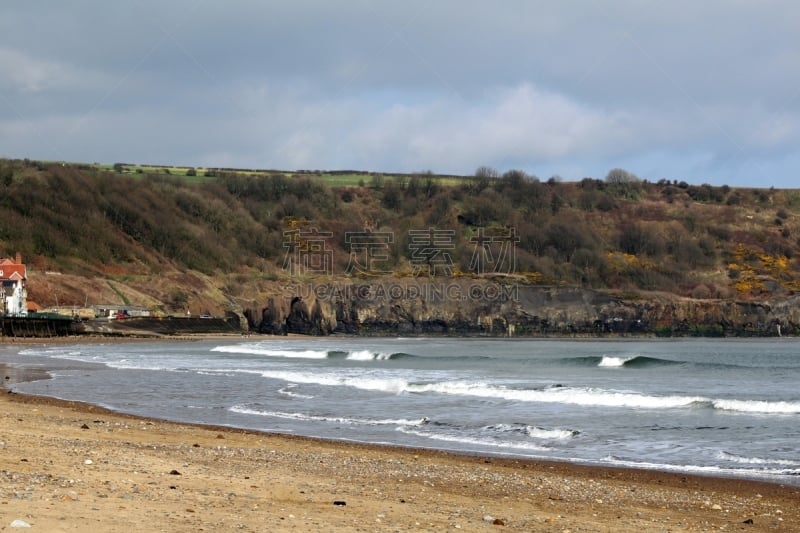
[616, 233]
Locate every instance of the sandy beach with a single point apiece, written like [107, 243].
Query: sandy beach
[67, 466]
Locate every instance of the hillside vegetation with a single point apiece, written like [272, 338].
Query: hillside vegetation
[158, 238]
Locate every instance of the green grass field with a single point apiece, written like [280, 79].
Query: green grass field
[331, 179]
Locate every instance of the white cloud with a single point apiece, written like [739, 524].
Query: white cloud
[28, 74]
[22, 73]
[682, 90]
[525, 123]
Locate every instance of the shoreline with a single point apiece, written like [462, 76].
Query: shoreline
[595, 470]
[16, 374]
[12, 374]
[66, 462]
[61, 454]
[98, 339]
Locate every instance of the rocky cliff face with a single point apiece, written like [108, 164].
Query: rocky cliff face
[500, 308]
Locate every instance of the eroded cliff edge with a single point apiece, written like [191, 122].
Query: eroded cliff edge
[501, 308]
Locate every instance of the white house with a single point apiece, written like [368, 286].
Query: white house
[14, 276]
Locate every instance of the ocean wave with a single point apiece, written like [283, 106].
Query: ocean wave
[758, 406]
[366, 355]
[618, 461]
[608, 361]
[620, 361]
[726, 456]
[764, 473]
[551, 434]
[254, 349]
[473, 441]
[636, 361]
[535, 432]
[329, 419]
[397, 385]
[57, 352]
[353, 355]
[287, 392]
[563, 395]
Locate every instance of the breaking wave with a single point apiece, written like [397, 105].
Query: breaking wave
[240, 409]
[353, 355]
[561, 395]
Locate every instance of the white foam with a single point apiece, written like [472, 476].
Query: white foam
[550, 434]
[365, 383]
[267, 351]
[758, 406]
[609, 361]
[564, 395]
[68, 353]
[366, 355]
[725, 456]
[329, 419]
[714, 470]
[473, 441]
[255, 349]
[286, 392]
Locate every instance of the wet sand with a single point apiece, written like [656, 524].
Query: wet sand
[69, 466]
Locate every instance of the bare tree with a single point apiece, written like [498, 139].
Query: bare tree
[486, 172]
[623, 183]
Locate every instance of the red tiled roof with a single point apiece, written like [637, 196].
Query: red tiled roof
[12, 271]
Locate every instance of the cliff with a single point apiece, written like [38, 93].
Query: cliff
[492, 308]
[521, 256]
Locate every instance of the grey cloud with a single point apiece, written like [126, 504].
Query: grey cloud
[696, 91]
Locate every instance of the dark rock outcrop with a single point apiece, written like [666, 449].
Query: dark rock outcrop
[504, 308]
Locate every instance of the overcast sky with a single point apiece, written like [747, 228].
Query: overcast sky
[706, 92]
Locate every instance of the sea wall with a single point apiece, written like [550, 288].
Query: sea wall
[501, 308]
[37, 326]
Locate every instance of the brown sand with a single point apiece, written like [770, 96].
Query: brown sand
[67, 466]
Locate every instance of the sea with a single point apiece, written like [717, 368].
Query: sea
[726, 407]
